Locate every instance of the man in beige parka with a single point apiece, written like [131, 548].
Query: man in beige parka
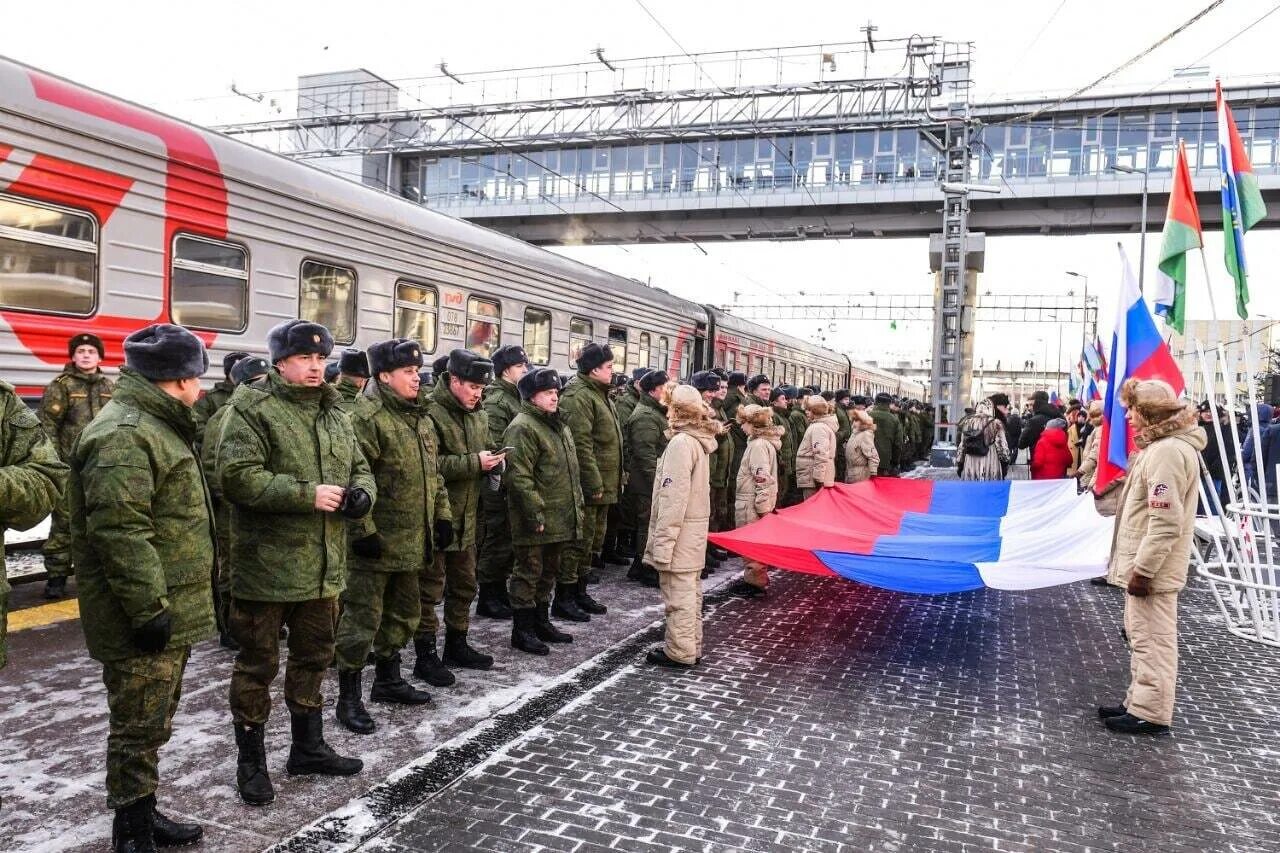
[678, 520]
[816, 455]
[1151, 549]
[756, 492]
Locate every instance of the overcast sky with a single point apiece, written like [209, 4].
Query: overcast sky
[182, 58]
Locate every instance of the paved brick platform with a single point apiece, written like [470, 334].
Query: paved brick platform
[837, 717]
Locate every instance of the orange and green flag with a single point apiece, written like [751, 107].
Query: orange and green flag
[1181, 235]
[1242, 205]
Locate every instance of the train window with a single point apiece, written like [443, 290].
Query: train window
[686, 357]
[618, 343]
[580, 334]
[537, 335]
[328, 297]
[722, 356]
[773, 366]
[48, 258]
[484, 325]
[645, 351]
[733, 360]
[210, 284]
[664, 353]
[417, 307]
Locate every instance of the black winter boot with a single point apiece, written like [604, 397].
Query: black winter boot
[429, 668]
[350, 709]
[131, 828]
[170, 833]
[566, 603]
[228, 642]
[610, 553]
[588, 604]
[390, 686]
[523, 634]
[711, 562]
[719, 553]
[310, 755]
[252, 780]
[597, 561]
[493, 601]
[545, 630]
[459, 653]
[55, 588]
[626, 547]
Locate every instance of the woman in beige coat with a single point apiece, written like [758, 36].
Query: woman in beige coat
[681, 511]
[816, 456]
[862, 460]
[756, 492]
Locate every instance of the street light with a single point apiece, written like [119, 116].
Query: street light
[1142, 245]
[1084, 317]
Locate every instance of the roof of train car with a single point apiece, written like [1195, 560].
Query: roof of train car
[246, 163]
[733, 323]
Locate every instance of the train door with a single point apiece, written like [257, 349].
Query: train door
[699, 350]
[618, 343]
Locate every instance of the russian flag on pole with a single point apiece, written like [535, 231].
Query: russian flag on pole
[1137, 352]
[932, 537]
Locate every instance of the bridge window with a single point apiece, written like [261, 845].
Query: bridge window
[643, 356]
[328, 297]
[618, 343]
[48, 258]
[484, 325]
[210, 284]
[537, 335]
[417, 307]
[580, 334]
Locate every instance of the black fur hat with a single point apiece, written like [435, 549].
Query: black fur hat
[780, 391]
[331, 372]
[706, 380]
[385, 356]
[508, 356]
[861, 400]
[248, 369]
[842, 395]
[721, 372]
[298, 337]
[737, 379]
[165, 351]
[638, 372]
[653, 379]
[538, 379]
[354, 362]
[469, 367]
[592, 356]
[756, 381]
[999, 399]
[439, 367]
[883, 399]
[229, 361]
[84, 339]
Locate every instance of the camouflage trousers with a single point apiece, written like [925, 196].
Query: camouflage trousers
[4, 625]
[380, 611]
[495, 560]
[57, 548]
[142, 696]
[841, 462]
[642, 509]
[221, 580]
[576, 561]
[450, 578]
[720, 507]
[535, 573]
[255, 625]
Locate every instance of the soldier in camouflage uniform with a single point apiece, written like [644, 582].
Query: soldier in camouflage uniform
[713, 392]
[290, 465]
[644, 437]
[597, 438]
[391, 545]
[546, 508]
[32, 478]
[888, 435]
[353, 373]
[778, 399]
[735, 399]
[70, 402]
[247, 369]
[467, 459]
[624, 404]
[841, 399]
[216, 397]
[143, 541]
[501, 405]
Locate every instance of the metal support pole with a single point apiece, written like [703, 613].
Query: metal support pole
[1142, 240]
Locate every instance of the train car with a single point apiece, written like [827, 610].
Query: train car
[113, 216]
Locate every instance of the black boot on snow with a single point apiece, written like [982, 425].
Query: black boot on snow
[350, 709]
[55, 588]
[429, 667]
[523, 634]
[626, 546]
[586, 603]
[169, 833]
[545, 630]
[131, 828]
[390, 686]
[493, 601]
[566, 604]
[310, 755]
[228, 642]
[459, 653]
[252, 781]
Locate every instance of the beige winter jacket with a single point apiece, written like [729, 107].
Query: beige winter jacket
[757, 485]
[816, 456]
[860, 455]
[682, 500]
[1158, 505]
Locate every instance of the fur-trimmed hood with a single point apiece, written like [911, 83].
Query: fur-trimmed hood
[1181, 423]
[688, 413]
[862, 422]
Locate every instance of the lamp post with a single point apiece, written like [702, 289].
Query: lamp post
[1142, 244]
[1084, 316]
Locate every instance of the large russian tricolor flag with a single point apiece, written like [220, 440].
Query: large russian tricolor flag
[932, 537]
[1137, 352]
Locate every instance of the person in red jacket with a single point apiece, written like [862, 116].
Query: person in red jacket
[1052, 455]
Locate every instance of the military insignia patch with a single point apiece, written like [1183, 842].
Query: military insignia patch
[1159, 489]
[315, 339]
[666, 481]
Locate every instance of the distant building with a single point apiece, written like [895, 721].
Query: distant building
[1237, 337]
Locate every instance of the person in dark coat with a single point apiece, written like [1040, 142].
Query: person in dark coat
[1011, 422]
[1041, 414]
[1219, 469]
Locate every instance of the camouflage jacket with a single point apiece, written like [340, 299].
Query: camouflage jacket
[278, 443]
[501, 405]
[723, 454]
[542, 479]
[70, 402]
[208, 450]
[141, 522]
[347, 389]
[213, 400]
[626, 403]
[586, 407]
[888, 437]
[786, 453]
[846, 427]
[460, 435]
[646, 438]
[733, 401]
[399, 441]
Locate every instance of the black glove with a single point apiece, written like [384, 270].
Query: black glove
[369, 547]
[444, 533]
[356, 504]
[153, 635]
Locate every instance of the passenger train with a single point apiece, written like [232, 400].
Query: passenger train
[113, 216]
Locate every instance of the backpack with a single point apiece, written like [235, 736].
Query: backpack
[973, 437]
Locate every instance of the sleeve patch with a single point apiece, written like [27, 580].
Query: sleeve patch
[666, 481]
